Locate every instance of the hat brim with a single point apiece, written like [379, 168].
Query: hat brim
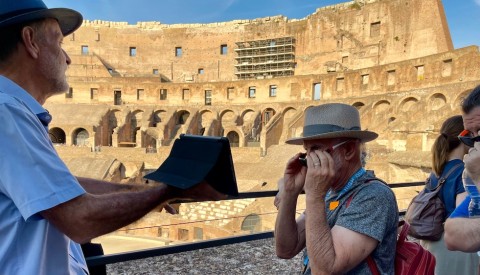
[68, 19]
[364, 136]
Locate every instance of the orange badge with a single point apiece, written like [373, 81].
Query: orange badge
[333, 205]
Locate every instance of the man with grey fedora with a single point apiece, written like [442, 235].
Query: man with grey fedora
[351, 217]
[45, 211]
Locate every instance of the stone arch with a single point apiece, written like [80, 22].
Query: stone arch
[57, 135]
[248, 115]
[182, 117]
[408, 105]
[289, 116]
[233, 138]
[459, 99]
[158, 117]
[381, 107]
[437, 101]
[206, 125]
[252, 223]
[251, 125]
[138, 116]
[267, 114]
[80, 137]
[206, 118]
[228, 118]
[359, 105]
[114, 118]
[114, 122]
[120, 116]
[135, 125]
[289, 111]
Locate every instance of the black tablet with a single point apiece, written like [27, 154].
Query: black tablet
[197, 158]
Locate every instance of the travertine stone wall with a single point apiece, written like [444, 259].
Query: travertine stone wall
[391, 85]
[353, 35]
[390, 97]
[130, 96]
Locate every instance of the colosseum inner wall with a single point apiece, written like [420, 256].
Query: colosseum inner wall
[135, 88]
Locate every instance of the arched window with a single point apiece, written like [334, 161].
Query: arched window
[57, 135]
[252, 223]
[182, 117]
[233, 139]
[80, 137]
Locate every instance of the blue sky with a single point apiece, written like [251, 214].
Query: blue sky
[463, 16]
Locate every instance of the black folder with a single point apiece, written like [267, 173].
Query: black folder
[197, 158]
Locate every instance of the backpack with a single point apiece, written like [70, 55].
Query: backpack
[410, 257]
[426, 211]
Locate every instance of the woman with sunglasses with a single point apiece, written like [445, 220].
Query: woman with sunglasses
[448, 152]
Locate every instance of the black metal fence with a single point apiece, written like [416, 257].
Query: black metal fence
[146, 253]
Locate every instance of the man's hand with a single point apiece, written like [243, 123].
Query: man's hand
[200, 192]
[320, 173]
[472, 163]
[294, 177]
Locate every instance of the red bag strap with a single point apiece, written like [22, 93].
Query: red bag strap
[401, 239]
[403, 234]
[370, 261]
[349, 200]
[372, 265]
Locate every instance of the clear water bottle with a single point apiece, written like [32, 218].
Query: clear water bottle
[471, 188]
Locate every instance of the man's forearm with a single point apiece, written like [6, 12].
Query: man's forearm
[98, 187]
[462, 234]
[90, 216]
[286, 230]
[320, 247]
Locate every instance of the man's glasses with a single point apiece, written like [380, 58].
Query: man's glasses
[467, 139]
[303, 157]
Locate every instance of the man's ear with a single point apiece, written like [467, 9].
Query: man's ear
[30, 42]
[350, 150]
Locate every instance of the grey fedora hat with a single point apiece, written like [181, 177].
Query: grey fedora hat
[333, 120]
[19, 11]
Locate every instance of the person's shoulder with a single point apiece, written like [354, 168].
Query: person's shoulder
[376, 196]
[8, 100]
[452, 168]
[377, 184]
[370, 180]
[376, 187]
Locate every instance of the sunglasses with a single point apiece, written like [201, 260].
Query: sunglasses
[303, 157]
[467, 139]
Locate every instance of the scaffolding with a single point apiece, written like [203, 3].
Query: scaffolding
[265, 58]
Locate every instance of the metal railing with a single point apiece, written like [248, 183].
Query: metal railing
[147, 253]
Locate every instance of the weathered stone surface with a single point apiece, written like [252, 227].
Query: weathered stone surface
[255, 257]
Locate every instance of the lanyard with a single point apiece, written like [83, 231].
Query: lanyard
[349, 184]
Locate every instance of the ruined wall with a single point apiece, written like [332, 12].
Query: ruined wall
[346, 36]
[389, 98]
